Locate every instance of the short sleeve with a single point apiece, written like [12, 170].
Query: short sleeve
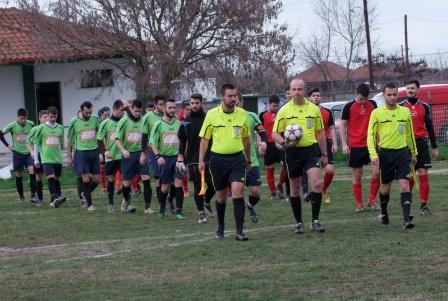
[279, 123]
[120, 130]
[346, 111]
[101, 132]
[207, 128]
[7, 128]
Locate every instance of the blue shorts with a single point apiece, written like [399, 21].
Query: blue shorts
[155, 168]
[168, 171]
[253, 177]
[52, 169]
[132, 167]
[21, 161]
[87, 162]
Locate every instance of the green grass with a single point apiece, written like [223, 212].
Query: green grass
[68, 254]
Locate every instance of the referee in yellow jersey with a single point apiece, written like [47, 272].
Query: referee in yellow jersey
[391, 144]
[226, 125]
[304, 155]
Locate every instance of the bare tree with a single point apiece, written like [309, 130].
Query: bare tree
[167, 40]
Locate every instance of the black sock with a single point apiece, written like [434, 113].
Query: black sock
[316, 202]
[179, 199]
[406, 199]
[158, 191]
[221, 212]
[162, 200]
[238, 211]
[288, 190]
[384, 200]
[19, 186]
[209, 192]
[147, 193]
[86, 191]
[127, 194]
[52, 188]
[253, 200]
[33, 185]
[93, 186]
[57, 182]
[79, 186]
[198, 200]
[296, 206]
[39, 190]
[172, 192]
[110, 192]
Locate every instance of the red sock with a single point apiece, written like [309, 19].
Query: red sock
[118, 180]
[374, 187]
[282, 178]
[411, 184]
[424, 188]
[357, 193]
[270, 178]
[185, 184]
[103, 177]
[328, 177]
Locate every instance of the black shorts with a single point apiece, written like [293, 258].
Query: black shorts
[21, 161]
[394, 164]
[423, 157]
[112, 167]
[226, 169]
[253, 177]
[300, 159]
[52, 169]
[359, 156]
[132, 167]
[87, 162]
[168, 170]
[272, 155]
[329, 152]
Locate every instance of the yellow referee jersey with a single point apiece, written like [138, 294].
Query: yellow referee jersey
[225, 129]
[307, 115]
[392, 129]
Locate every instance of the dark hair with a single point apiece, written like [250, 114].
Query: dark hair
[22, 112]
[274, 99]
[42, 113]
[150, 105]
[137, 104]
[159, 97]
[389, 85]
[415, 82]
[105, 109]
[168, 100]
[52, 110]
[86, 104]
[117, 104]
[287, 88]
[197, 96]
[226, 87]
[313, 90]
[363, 89]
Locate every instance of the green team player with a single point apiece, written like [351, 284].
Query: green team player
[21, 158]
[164, 142]
[35, 154]
[82, 135]
[106, 135]
[50, 139]
[253, 179]
[134, 160]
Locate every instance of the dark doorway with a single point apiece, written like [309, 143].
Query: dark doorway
[47, 95]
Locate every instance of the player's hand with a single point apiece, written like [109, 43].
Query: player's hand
[290, 143]
[126, 154]
[10, 147]
[375, 161]
[435, 153]
[201, 166]
[262, 148]
[345, 149]
[324, 161]
[107, 155]
[142, 158]
[413, 160]
[181, 167]
[161, 161]
[248, 166]
[69, 161]
[334, 148]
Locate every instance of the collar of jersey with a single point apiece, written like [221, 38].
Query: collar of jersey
[292, 103]
[222, 111]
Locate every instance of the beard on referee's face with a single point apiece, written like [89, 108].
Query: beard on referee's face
[229, 98]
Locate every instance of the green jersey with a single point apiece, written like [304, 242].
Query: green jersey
[164, 136]
[253, 121]
[129, 133]
[148, 122]
[82, 133]
[32, 134]
[50, 141]
[107, 133]
[19, 135]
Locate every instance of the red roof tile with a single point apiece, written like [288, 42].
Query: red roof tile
[333, 72]
[379, 71]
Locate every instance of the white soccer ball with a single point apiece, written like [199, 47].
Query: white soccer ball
[293, 132]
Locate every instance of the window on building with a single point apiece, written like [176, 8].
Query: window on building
[97, 78]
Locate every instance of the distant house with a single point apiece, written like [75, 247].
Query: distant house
[325, 75]
[382, 73]
[37, 71]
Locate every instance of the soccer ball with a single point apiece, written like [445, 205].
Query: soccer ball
[293, 132]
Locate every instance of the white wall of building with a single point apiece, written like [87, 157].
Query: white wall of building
[72, 95]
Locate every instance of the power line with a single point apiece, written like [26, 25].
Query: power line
[430, 21]
[427, 54]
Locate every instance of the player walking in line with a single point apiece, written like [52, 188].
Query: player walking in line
[392, 146]
[354, 125]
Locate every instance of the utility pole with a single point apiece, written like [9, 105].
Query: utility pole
[406, 48]
[403, 64]
[369, 47]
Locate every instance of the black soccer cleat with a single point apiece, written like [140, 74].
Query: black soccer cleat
[317, 227]
[299, 229]
[407, 224]
[219, 234]
[424, 210]
[241, 237]
[384, 221]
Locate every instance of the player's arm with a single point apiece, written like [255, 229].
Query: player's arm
[410, 138]
[205, 133]
[431, 134]
[343, 125]
[154, 142]
[333, 136]
[119, 140]
[70, 137]
[372, 133]
[4, 131]
[182, 135]
[279, 128]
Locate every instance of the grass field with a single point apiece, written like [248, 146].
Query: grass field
[69, 254]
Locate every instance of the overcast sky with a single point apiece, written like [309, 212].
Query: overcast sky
[427, 24]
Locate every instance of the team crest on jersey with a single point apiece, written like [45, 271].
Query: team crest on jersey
[237, 130]
[310, 123]
[401, 128]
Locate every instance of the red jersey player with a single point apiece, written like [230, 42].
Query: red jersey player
[354, 126]
[332, 143]
[423, 129]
